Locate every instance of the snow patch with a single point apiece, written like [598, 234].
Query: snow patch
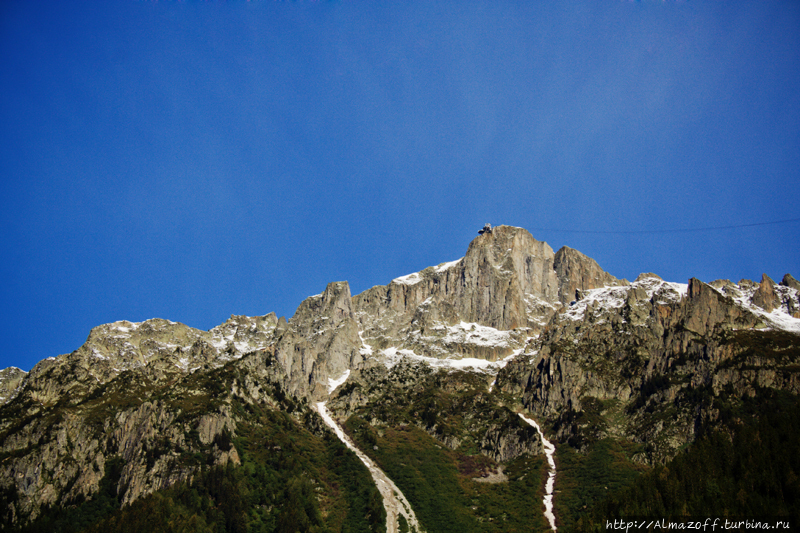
[472, 333]
[366, 349]
[446, 266]
[409, 279]
[615, 297]
[333, 383]
[392, 356]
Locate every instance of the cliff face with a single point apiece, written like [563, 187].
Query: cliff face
[321, 341]
[453, 350]
[655, 347]
[507, 281]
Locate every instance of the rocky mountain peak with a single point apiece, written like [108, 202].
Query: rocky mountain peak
[320, 343]
[506, 282]
[765, 296]
[789, 281]
[446, 350]
[505, 272]
[334, 303]
[577, 273]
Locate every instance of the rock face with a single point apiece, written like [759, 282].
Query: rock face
[320, 342]
[452, 351]
[577, 273]
[507, 281]
[625, 353]
[765, 296]
[10, 380]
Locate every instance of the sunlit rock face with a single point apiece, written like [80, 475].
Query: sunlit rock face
[507, 281]
[321, 341]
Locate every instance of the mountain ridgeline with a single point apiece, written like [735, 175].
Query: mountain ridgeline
[661, 399]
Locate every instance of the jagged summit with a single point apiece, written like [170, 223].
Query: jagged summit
[507, 280]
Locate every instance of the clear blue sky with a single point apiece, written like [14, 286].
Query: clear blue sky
[195, 160]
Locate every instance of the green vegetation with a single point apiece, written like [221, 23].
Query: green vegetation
[438, 482]
[746, 465]
[290, 480]
[585, 479]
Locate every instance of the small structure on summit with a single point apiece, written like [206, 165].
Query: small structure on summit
[487, 228]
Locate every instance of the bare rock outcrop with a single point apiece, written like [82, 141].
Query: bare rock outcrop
[577, 272]
[10, 380]
[766, 297]
[321, 342]
[507, 281]
[622, 353]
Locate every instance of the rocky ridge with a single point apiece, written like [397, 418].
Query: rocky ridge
[591, 356]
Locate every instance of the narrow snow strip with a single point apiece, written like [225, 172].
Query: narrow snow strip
[549, 450]
[393, 500]
[333, 383]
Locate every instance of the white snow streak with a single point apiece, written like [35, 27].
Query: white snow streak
[366, 349]
[549, 450]
[393, 500]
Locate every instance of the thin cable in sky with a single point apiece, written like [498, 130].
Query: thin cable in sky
[683, 230]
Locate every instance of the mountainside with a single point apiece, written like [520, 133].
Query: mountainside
[425, 377]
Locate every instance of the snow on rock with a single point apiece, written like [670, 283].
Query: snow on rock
[778, 318]
[614, 297]
[446, 266]
[409, 279]
[606, 298]
[333, 383]
[471, 333]
[665, 292]
[392, 356]
[549, 450]
[366, 349]
[416, 277]
[11, 381]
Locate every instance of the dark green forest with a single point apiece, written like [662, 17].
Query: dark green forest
[745, 465]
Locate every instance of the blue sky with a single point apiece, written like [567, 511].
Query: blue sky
[195, 160]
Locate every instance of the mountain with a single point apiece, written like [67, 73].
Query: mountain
[442, 401]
